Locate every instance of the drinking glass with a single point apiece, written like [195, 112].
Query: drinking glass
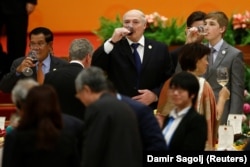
[201, 30]
[130, 29]
[222, 75]
[28, 71]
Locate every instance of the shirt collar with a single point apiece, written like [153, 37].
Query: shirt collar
[183, 112]
[217, 46]
[141, 41]
[46, 61]
[77, 61]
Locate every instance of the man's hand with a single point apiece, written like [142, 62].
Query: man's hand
[27, 62]
[146, 97]
[119, 33]
[30, 7]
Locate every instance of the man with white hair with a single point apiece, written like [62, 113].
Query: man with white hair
[136, 65]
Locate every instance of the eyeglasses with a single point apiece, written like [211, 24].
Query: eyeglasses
[37, 45]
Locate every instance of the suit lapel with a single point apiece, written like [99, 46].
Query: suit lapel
[148, 47]
[127, 51]
[221, 55]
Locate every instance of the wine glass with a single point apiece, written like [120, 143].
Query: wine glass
[130, 28]
[28, 71]
[222, 76]
[201, 30]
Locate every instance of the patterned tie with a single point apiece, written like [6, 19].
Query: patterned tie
[40, 75]
[136, 57]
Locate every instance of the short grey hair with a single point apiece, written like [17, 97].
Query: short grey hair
[94, 77]
[21, 89]
[139, 13]
[80, 48]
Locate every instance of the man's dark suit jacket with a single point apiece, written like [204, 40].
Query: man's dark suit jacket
[74, 126]
[151, 135]
[120, 67]
[20, 150]
[63, 80]
[112, 137]
[10, 79]
[191, 134]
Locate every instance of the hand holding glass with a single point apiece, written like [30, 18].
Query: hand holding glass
[28, 71]
[201, 30]
[222, 76]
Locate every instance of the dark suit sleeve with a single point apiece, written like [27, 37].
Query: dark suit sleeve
[100, 58]
[10, 79]
[197, 133]
[96, 138]
[8, 148]
[153, 139]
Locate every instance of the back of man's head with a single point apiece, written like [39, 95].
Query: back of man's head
[94, 78]
[21, 89]
[79, 49]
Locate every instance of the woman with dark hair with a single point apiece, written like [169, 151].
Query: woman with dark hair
[193, 59]
[39, 140]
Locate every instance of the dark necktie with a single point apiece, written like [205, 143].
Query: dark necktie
[136, 57]
[212, 56]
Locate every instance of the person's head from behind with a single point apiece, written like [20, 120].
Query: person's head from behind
[20, 91]
[90, 84]
[193, 58]
[41, 111]
[81, 50]
[216, 24]
[41, 40]
[137, 20]
[184, 88]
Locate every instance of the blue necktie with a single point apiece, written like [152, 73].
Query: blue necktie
[170, 121]
[166, 129]
[136, 57]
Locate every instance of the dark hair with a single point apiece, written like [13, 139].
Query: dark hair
[42, 30]
[195, 16]
[190, 54]
[41, 112]
[188, 82]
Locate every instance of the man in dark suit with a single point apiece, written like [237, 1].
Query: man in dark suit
[14, 16]
[185, 128]
[111, 136]
[63, 80]
[143, 81]
[41, 41]
[150, 131]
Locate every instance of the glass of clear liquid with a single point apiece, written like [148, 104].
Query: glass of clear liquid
[201, 30]
[222, 76]
[28, 71]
